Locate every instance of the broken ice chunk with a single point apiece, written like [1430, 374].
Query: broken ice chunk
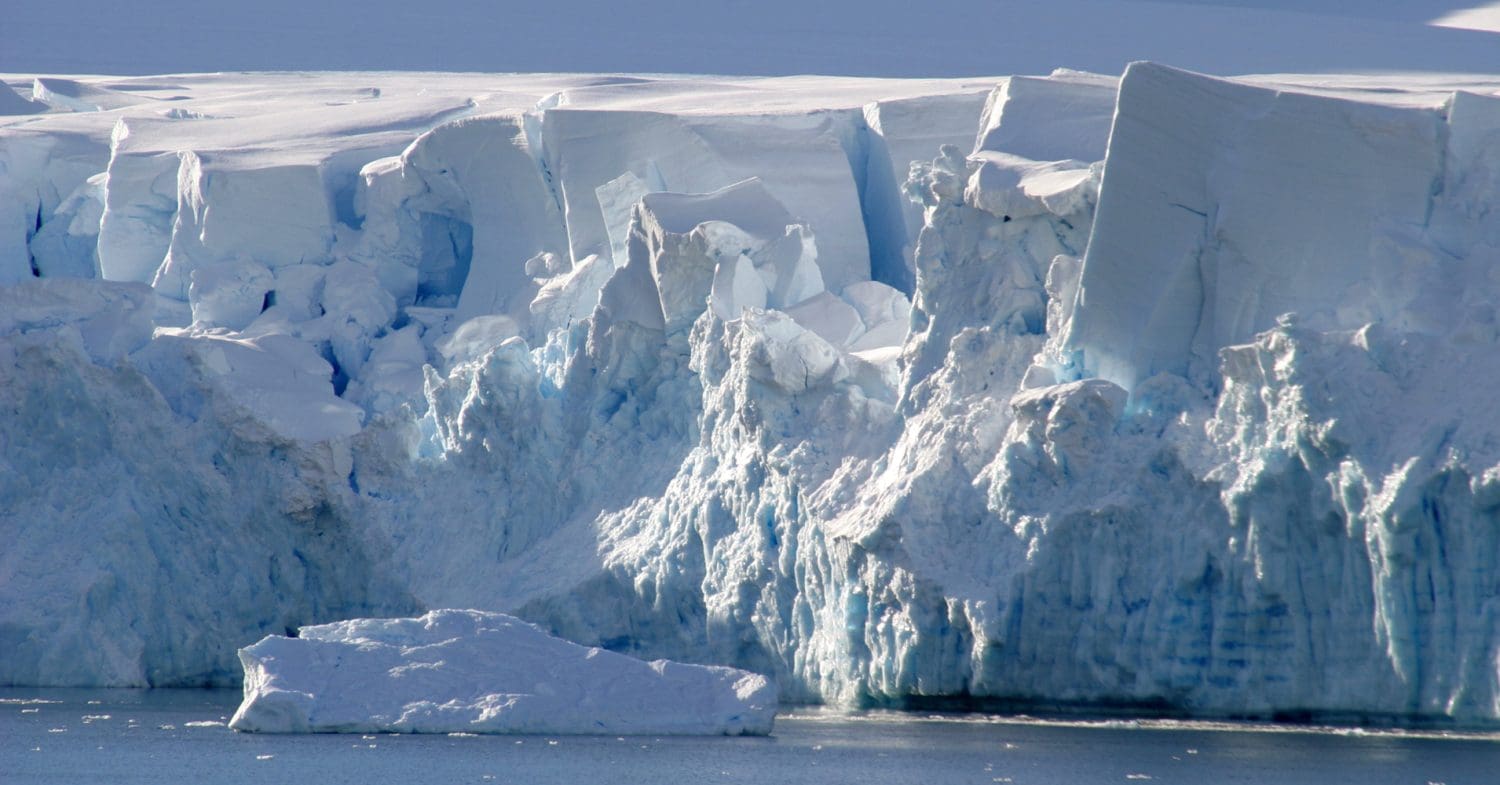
[473, 671]
[737, 286]
[230, 294]
[684, 238]
[832, 319]
[477, 337]
[885, 312]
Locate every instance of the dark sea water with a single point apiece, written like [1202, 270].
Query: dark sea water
[179, 736]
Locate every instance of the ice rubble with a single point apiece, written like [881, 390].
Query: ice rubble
[475, 672]
[1179, 403]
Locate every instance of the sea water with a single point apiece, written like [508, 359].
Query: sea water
[181, 736]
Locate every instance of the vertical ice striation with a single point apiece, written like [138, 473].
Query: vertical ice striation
[1259, 202]
[1188, 407]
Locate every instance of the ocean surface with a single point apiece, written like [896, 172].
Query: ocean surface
[180, 736]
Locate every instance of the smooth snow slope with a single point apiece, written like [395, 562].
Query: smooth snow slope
[883, 38]
[1181, 401]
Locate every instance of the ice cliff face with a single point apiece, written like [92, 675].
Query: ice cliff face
[1162, 391]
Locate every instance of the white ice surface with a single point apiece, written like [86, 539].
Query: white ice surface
[1260, 203]
[1203, 425]
[467, 671]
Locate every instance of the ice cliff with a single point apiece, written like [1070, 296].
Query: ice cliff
[1164, 391]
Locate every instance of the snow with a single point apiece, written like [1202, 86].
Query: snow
[1183, 405]
[467, 671]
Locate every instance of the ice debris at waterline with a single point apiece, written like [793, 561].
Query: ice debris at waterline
[1162, 390]
[470, 671]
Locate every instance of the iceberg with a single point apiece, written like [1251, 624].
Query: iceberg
[467, 671]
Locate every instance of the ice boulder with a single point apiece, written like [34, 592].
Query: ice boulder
[884, 311]
[569, 296]
[274, 380]
[472, 671]
[830, 318]
[230, 294]
[110, 320]
[477, 337]
[692, 245]
[1013, 187]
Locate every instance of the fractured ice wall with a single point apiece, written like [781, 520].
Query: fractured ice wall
[699, 154]
[1226, 205]
[1186, 409]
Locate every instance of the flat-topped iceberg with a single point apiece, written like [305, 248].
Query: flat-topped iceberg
[478, 672]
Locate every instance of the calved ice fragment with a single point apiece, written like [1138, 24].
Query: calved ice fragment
[472, 671]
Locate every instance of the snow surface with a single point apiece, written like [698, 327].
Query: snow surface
[473, 672]
[1180, 398]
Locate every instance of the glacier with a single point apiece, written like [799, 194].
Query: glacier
[1160, 391]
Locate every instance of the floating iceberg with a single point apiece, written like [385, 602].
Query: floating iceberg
[469, 671]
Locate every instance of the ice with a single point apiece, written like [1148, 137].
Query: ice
[1008, 185]
[42, 168]
[66, 245]
[468, 671]
[830, 318]
[12, 103]
[392, 375]
[691, 241]
[1063, 117]
[109, 321]
[477, 337]
[571, 296]
[903, 131]
[1187, 406]
[74, 96]
[884, 311]
[229, 294]
[280, 380]
[693, 152]
[1209, 183]
[484, 172]
[736, 286]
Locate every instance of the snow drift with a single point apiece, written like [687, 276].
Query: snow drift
[1165, 391]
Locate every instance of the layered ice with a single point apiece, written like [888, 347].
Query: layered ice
[1182, 406]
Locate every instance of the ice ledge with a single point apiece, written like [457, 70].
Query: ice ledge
[478, 672]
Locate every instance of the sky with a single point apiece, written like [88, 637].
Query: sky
[867, 38]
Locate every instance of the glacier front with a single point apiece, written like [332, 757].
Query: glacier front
[1161, 391]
